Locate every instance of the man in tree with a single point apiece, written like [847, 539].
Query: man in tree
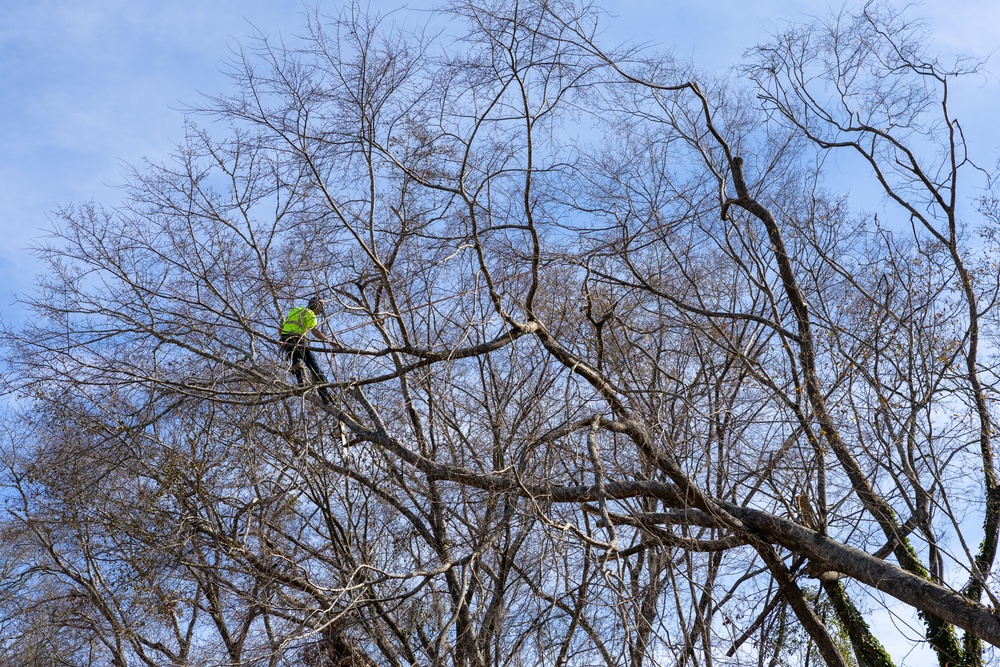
[296, 326]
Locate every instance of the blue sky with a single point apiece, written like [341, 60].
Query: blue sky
[91, 85]
[88, 86]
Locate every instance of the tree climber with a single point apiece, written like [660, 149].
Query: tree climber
[298, 323]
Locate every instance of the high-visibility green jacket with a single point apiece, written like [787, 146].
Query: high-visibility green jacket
[298, 321]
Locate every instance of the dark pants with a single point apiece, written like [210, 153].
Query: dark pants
[297, 350]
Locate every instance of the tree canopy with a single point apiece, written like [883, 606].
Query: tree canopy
[616, 377]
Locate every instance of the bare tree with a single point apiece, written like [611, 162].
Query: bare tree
[616, 381]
